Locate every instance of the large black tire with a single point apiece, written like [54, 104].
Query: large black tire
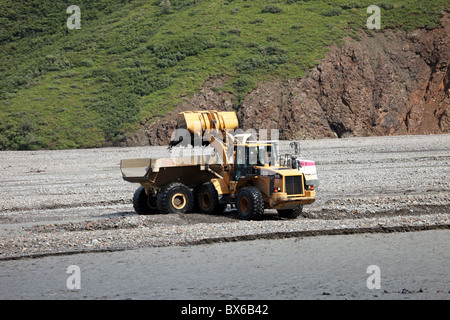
[175, 198]
[143, 203]
[208, 199]
[250, 203]
[291, 213]
[195, 207]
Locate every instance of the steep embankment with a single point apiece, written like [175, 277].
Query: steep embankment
[133, 61]
[390, 83]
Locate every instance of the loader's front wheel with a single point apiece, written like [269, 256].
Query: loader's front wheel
[250, 203]
[175, 198]
[143, 203]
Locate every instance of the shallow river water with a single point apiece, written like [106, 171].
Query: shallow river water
[411, 265]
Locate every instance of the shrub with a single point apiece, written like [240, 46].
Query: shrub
[56, 62]
[165, 63]
[386, 5]
[349, 5]
[242, 86]
[256, 21]
[235, 31]
[266, 58]
[332, 12]
[165, 6]
[271, 8]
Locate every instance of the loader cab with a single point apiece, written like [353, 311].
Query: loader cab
[251, 155]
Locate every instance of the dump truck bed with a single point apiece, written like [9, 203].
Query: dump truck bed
[157, 172]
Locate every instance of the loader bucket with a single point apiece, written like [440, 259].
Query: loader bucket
[197, 122]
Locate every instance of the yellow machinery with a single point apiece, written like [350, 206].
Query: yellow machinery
[196, 123]
[242, 172]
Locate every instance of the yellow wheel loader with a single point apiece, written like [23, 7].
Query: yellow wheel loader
[242, 172]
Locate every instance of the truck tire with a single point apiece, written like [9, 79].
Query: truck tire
[144, 204]
[195, 206]
[175, 198]
[249, 203]
[291, 213]
[208, 199]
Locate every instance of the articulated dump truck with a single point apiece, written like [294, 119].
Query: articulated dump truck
[241, 172]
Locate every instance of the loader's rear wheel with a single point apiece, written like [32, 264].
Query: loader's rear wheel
[208, 199]
[250, 203]
[175, 198]
[143, 203]
[291, 213]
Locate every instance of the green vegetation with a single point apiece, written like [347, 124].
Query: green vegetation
[134, 59]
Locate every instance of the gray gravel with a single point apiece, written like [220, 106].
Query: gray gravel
[55, 202]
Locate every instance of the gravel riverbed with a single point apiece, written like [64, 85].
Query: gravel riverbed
[70, 201]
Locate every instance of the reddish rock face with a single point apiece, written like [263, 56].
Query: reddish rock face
[390, 84]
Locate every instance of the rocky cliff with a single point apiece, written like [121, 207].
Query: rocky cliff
[391, 83]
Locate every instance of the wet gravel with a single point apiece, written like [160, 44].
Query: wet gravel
[69, 201]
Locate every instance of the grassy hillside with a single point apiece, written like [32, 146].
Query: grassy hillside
[132, 60]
